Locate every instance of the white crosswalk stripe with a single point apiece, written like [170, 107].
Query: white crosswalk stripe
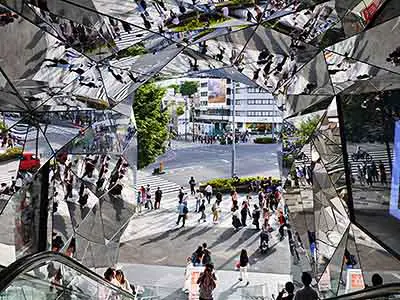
[126, 40]
[152, 222]
[155, 181]
[376, 154]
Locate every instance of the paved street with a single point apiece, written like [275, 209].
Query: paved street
[206, 162]
[153, 241]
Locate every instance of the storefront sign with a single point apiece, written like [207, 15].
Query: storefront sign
[324, 283]
[355, 280]
[194, 287]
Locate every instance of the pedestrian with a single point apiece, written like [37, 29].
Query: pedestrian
[207, 283]
[261, 198]
[307, 292]
[236, 217]
[376, 279]
[181, 194]
[206, 255]
[143, 195]
[243, 265]
[149, 202]
[157, 198]
[188, 274]
[244, 212]
[123, 282]
[369, 175]
[198, 197]
[197, 256]
[215, 212]
[374, 169]
[287, 293]
[382, 172]
[234, 198]
[208, 191]
[360, 174]
[139, 201]
[182, 212]
[256, 216]
[192, 184]
[202, 210]
[282, 224]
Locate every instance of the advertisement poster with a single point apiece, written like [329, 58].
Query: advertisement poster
[355, 280]
[216, 91]
[324, 283]
[395, 193]
[194, 287]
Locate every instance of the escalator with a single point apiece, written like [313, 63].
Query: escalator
[54, 276]
[50, 275]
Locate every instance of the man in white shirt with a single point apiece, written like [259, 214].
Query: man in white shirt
[208, 191]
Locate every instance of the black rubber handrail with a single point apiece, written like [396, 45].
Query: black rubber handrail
[29, 262]
[389, 289]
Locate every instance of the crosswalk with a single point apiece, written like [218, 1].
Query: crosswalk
[152, 222]
[378, 154]
[169, 189]
[128, 39]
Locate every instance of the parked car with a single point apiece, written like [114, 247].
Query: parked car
[29, 162]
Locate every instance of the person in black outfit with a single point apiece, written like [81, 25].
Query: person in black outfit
[192, 184]
[256, 216]
[244, 212]
[288, 290]
[158, 196]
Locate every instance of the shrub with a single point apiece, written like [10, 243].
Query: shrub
[264, 140]
[11, 153]
[228, 184]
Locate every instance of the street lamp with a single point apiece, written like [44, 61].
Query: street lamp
[233, 166]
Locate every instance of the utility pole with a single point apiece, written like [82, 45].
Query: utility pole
[192, 113]
[186, 120]
[233, 101]
[273, 119]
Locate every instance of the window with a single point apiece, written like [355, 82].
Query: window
[204, 94]
[204, 84]
[237, 91]
[237, 102]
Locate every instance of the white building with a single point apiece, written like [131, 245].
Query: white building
[256, 109]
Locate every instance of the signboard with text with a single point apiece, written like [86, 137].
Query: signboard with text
[194, 287]
[355, 280]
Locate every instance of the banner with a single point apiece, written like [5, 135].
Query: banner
[216, 91]
[355, 280]
[324, 283]
[194, 287]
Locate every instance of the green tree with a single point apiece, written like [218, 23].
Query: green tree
[180, 110]
[152, 123]
[307, 128]
[175, 87]
[188, 88]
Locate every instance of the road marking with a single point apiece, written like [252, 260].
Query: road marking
[225, 161]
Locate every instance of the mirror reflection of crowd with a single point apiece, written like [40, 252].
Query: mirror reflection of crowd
[78, 177]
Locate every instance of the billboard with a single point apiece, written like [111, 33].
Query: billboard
[216, 91]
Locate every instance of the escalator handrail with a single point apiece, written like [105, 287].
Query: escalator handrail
[371, 292]
[29, 262]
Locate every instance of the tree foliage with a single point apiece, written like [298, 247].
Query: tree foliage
[175, 87]
[188, 88]
[151, 121]
[307, 128]
[180, 110]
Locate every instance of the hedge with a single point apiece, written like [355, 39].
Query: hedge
[11, 153]
[227, 184]
[264, 140]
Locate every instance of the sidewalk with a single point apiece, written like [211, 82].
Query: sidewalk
[169, 281]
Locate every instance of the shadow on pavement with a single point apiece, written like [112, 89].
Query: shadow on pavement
[246, 234]
[199, 232]
[162, 236]
[224, 236]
